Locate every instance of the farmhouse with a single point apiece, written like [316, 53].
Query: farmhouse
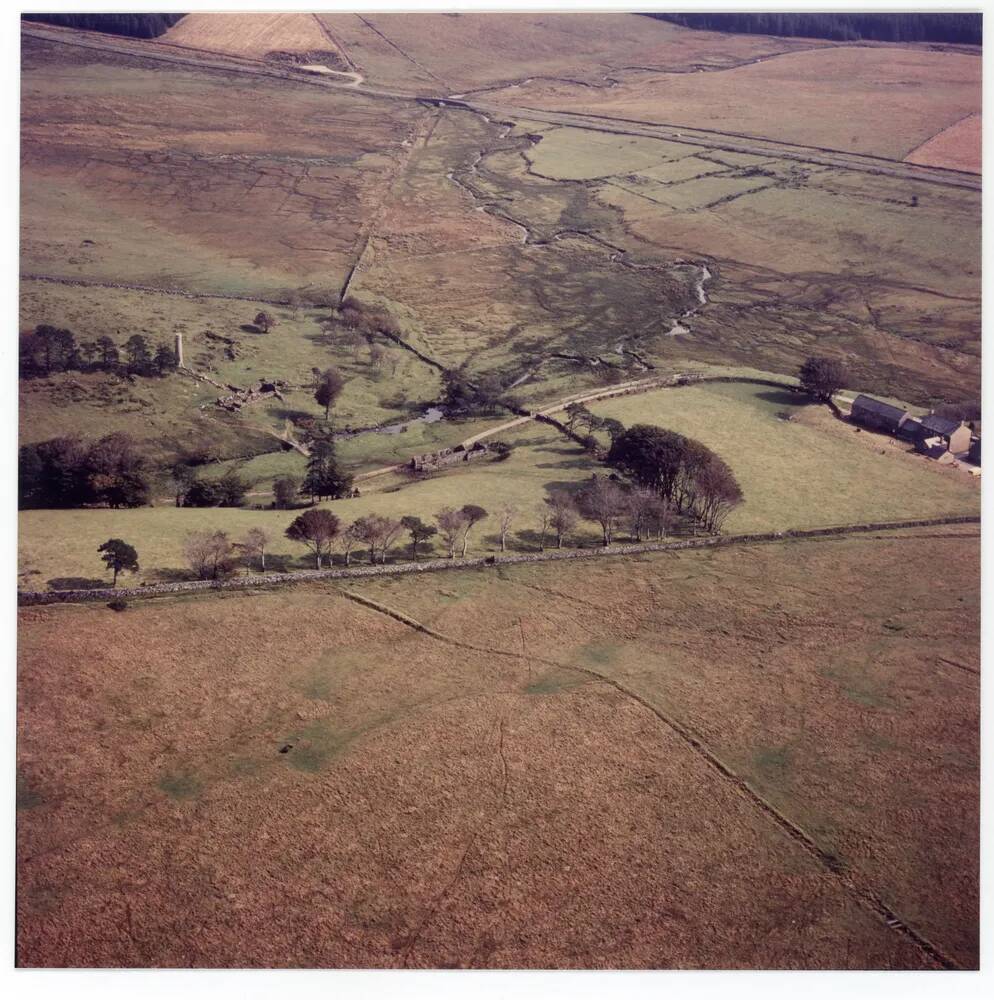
[877, 415]
[952, 435]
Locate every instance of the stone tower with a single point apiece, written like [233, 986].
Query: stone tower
[179, 349]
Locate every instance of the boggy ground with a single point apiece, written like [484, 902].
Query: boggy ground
[439, 805]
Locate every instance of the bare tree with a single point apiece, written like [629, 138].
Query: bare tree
[378, 532]
[718, 493]
[659, 518]
[544, 517]
[641, 507]
[505, 516]
[562, 515]
[604, 502]
[254, 544]
[209, 553]
[348, 540]
[451, 525]
[389, 533]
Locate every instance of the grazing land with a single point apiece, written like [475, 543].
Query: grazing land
[865, 99]
[831, 475]
[601, 790]
[956, 147]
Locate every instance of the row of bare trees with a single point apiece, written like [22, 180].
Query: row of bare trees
[213, 554]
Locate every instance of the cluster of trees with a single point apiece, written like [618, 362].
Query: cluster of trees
[684, 473]
[193, 491]
[318, 529]
[463, 396]
[132, 25]
[582, 423]
[50, 349]
[71, 472]
[610, 504]
[883, 27]
[212, 554]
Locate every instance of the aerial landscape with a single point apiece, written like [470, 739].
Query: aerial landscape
[499, 491]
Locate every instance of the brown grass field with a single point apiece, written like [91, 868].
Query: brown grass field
[274, 202]
[759, 756]
[602, 793]
[252, 35]
[957, 147]
[471, 51]
[864, 99]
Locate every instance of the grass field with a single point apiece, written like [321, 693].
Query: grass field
[955, 148]
[881, 100]
[289, 779]
[810, 472]
[271, 204]
[799, 474]
[252, 35]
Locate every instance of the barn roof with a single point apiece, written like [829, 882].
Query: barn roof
[881, 409]
[939, 425]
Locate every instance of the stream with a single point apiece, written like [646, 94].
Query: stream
[617, 254]
[432, 415]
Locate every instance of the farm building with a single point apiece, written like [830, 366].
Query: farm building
[877, 415]
[954, 435]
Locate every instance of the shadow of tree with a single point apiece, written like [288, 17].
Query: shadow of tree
[783, 397]
[76, 583]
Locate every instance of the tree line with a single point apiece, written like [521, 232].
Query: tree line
[70, 472]
[966, 29]
[47, 350]
[131, 25]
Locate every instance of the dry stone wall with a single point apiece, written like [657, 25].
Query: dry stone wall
[436, 565]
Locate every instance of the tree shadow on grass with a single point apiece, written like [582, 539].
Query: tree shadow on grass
[76, 583]
[783, 397]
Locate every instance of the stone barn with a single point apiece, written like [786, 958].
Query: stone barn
[877, 415]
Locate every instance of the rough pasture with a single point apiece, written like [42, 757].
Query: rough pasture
[880, 100]
[348, 792]
[956, 147]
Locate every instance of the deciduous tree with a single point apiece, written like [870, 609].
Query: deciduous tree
[118, 556]
[419, 532]
[718, 493]
[822, 377]
[451, 525]
[209, 554]
[284, 492]
[604, 502]
[254, 546]
[473, 515]
[328, 389]
[316, 529]
[562, 514]
[264, 321]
